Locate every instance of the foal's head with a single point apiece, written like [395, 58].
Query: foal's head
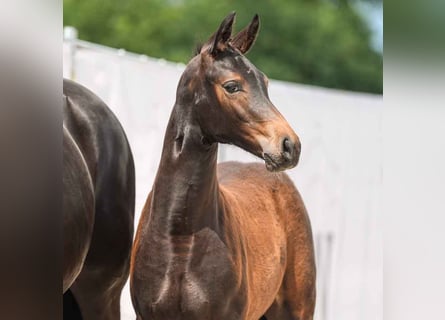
[230, 98]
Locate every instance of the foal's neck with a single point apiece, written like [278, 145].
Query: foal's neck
[185, 192]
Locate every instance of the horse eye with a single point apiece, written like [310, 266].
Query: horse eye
[232, 86]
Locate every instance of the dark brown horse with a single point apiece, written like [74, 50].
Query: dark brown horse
[98, 205]
[229, 241]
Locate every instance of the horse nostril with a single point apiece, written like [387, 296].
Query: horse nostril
[287, 146]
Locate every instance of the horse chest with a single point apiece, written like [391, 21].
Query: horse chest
[193, 277]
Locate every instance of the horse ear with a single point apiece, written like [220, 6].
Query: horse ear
[219, 40]
[244, 40]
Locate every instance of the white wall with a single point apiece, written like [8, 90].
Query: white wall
[339, 175]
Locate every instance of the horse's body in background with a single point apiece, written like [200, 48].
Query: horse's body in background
[98, 206]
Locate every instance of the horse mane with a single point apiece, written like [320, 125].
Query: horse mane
[198, 48]
[200, 45]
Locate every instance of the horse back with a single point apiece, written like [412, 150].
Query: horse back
[260, 194]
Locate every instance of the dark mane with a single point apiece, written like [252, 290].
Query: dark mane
[198, 48]
[199, 45]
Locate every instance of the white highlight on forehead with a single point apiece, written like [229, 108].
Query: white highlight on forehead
[246, 62]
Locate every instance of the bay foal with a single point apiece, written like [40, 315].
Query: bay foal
[230, 241]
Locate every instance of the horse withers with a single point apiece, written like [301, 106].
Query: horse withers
[98, 206]
[229, 241]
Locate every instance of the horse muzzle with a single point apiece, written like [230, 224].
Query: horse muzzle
[286, 158]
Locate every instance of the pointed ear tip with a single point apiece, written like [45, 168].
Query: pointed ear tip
[229, 19]
[255, 24]
[255, 21]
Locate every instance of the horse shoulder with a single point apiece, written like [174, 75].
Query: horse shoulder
[256, 213]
